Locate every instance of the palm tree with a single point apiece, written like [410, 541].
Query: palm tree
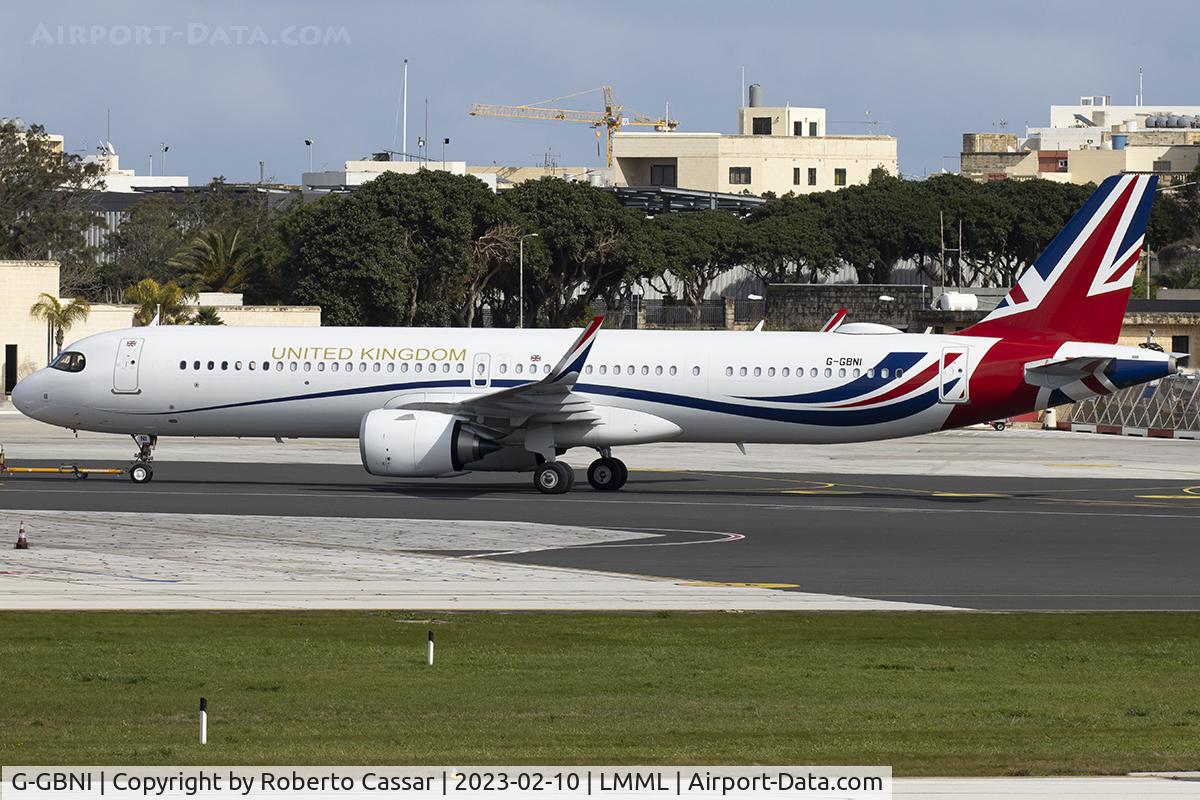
[214, 262]
[166, 300]
[60, 317]
[207, 315]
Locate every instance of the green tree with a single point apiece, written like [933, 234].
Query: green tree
[876, 225]
[788, 237]
[47, 205]
[59, 316]
[167, 300]
[698, 247]
[206, 315]
[348, 258]
[144, 243]
[214, 262]
[579, 255]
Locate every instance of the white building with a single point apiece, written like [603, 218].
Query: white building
[116, 179]
[1089, 141]
[356, 173]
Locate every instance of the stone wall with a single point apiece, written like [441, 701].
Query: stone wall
[807, 306]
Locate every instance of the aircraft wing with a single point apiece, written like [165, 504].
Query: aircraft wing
[549, 400]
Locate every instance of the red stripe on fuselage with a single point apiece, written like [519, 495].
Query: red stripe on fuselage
[902, 389]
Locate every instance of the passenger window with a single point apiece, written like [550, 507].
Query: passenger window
[519, 368]
[856, 372]
[587, 370]
[828, 372]
[871, 373]
[211, 365]
[195, 365]
[603, 369]
[503, 368]
[253, 365]
[459, 369]
[349, 366]
[758, 372]
[742, 372]
[546, 368]
[266, 366]
[631, 369]
[899, 373]
[224, 365]
[292, 366]
[658, 370]
[445, 367]
[183, 365]
[842, 372]
[813, 372]
[335, 366]
[308, 366]
[480, 368]
[279, 366]
[417, 367]
[362, 366]
[320, 366]
[646, 370]
[785, 372]
[617, 369]
[883, 373]
[376, 367]
[729, 372]
[431, 367]
[770, 372]
[391, 367]
[404, 367]
[237, 365]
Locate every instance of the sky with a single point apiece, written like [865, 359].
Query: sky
[227, 84]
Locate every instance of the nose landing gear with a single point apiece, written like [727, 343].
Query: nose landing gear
[140, 470]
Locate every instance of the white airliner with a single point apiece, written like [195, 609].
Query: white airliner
[442, 401]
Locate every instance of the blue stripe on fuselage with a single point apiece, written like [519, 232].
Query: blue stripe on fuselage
[859, 386]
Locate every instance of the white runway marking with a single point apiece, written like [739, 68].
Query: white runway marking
[129, 560]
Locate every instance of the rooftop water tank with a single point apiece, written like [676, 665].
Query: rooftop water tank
[1119, 140]
[756, 95]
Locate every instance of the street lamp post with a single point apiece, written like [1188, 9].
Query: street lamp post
[309, 143]
[521, 279]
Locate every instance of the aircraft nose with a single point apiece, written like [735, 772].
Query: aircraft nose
[25, 395]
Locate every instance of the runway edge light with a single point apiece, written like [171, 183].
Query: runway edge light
[203, 721]
[430, 654]
[22, 542]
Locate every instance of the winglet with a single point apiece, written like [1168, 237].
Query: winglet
[573, 360]
[834, 321]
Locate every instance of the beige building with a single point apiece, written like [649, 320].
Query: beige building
[26, 342]
[777, 149]
[1089, 142]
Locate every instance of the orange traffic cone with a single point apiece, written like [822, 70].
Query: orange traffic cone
[22, 542]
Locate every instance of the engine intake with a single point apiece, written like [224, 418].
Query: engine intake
[412, 444]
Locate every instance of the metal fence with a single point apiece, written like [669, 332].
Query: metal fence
[1172, 403]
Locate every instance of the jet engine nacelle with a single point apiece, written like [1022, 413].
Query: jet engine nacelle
[412, 444]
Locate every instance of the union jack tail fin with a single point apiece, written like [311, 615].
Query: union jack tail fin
[1079, 286]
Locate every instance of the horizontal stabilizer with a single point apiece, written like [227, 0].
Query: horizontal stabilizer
[1053, 373]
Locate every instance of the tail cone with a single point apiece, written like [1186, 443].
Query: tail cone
[22, 542]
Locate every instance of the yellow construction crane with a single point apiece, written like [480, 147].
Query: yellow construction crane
[612, 118]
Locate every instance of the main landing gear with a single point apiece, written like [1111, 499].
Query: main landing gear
[606, 474]
[140, 470]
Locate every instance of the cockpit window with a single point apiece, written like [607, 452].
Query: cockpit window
[70, 362]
